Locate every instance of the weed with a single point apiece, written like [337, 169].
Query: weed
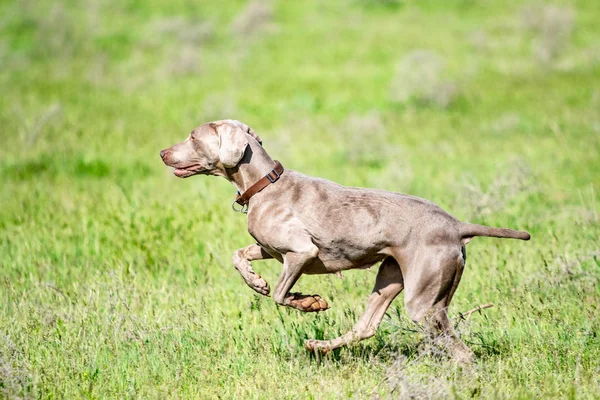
[552, 27]
[513, 180]
[253, 19]
[420, 77]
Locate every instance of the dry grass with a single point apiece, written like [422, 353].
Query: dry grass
[255, 18]
[33, 124]
[56, 32]
[218, 106]
[552, 27]
[505, 123]
[403, 384]
[568, 268]
[420, 77]
[366, 140]
[16, 382]
[365, 136]
[188, 38]
[404, 375]
[514, 179]
[479, 40]
[183, 30]
[183, 61]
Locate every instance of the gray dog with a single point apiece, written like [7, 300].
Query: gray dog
[314, 226]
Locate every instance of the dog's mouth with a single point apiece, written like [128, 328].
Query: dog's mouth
[188, 171]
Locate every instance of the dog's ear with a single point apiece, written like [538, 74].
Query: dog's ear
[248, 130]
[232, 143]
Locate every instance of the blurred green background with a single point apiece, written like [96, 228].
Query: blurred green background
[116, 278]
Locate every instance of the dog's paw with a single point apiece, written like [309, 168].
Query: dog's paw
[307, 303]
[314, 346]
[252, 279]
[259, 285]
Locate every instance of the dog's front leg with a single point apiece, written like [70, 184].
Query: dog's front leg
[241, 262]
[293, 264]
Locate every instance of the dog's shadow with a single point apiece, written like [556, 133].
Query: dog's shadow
[382, 347]
[396, 337]
[409, 344]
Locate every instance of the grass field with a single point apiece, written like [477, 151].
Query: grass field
[116, 278]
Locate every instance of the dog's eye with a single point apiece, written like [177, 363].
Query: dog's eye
[192, 137]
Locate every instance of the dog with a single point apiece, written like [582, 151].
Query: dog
[315, 226]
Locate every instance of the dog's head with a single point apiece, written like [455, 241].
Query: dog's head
[210, 149]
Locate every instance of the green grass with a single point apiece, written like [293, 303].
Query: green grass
[116, 278]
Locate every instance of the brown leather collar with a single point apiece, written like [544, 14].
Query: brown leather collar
[271, 177]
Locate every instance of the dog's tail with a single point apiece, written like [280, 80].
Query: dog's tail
[469, 231]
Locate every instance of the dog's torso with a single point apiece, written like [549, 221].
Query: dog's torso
[351, 227]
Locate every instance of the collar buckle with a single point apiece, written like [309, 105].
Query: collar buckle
[273, 180]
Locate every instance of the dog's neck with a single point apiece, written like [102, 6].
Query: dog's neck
[255, 164]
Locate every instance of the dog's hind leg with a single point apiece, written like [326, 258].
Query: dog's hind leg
[430, 284]
[241, 262]
[388, 285]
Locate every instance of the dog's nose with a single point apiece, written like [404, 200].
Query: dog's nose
[162, 153]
